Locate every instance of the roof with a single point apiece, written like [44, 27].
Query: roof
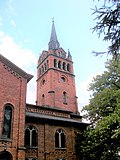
[49, 108]
[16, 68]
[53, 43]
[53, 118]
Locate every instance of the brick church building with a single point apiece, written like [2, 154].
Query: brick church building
[47, 130]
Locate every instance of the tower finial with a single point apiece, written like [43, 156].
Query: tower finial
[53, 19]
[69, 55]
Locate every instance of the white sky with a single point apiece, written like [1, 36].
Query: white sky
[25, 28]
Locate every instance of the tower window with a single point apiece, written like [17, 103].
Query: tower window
[65, 97]
[64, 66]
[43, 99]
[59, 64]
[42, 69]
[45, 66]
[55, 63]
[60, 139]
[7, 122]
[31, 136]
[68, 67]
[43, 82]
[63, 79]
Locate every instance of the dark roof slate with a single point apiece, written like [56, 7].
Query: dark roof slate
[53, 43]
[48, 117]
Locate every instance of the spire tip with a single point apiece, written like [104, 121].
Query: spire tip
[53, 19]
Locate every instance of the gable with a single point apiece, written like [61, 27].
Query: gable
[14, 69]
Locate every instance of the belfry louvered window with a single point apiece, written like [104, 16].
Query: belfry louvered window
[55, 63]
[7, 122]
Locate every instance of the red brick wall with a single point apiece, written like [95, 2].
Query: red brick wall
[13, 91]
[46, 142]
[52, 77]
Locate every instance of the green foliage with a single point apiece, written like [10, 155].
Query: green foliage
[101, 140]
[108, 24]
[106, 93]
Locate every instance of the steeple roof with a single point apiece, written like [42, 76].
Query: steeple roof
[53, 43]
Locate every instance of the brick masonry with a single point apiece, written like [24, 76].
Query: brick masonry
[56, 106]
[13, 91]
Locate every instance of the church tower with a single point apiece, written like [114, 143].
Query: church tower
[55, 77]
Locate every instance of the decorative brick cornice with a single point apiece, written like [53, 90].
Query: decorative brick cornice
[11, 71]
[15, 69]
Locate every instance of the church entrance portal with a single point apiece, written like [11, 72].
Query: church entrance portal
[5, 155]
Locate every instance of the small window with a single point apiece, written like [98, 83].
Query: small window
[68, 67]
[59, 139]
[43, 99]
[7, 122]
[42, 69]
[61, 54]
[45, 65]
[31, 136]
[64, 66]
[65, 97]
[43, 82]
[59, 64]
[55, 63]
[63, 79]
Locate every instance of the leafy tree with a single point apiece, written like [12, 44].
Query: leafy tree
[101, 140]
[108, 24]
[105, 89]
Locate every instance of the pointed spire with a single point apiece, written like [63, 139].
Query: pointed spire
[53, 43]
[69, 55]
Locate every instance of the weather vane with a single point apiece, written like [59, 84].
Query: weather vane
[53, 19]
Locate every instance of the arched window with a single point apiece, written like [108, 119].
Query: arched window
[55, 63]
[31, 136]
[68, 67]
[59, 64]
[45, 65]
[64, 97]
[7, 122]
[43, 82]
[5, 155]
[64, 66]
[42, 69]
[43, 99]
[60, 139]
